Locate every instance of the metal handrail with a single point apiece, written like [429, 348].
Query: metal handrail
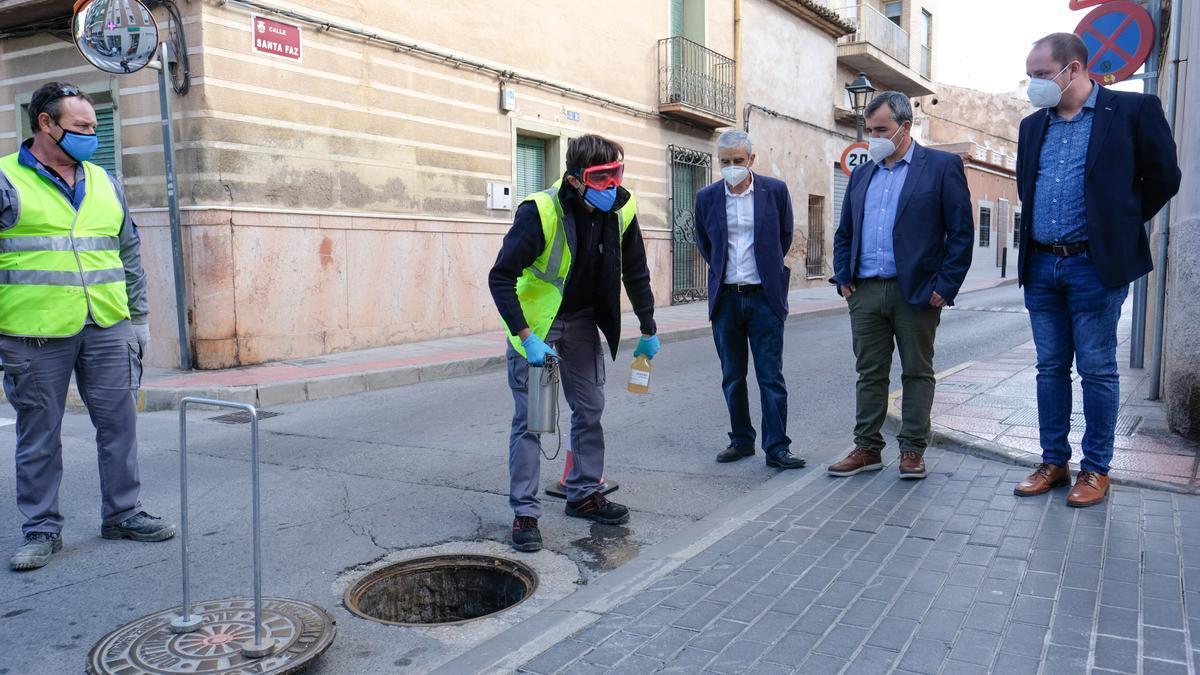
[690, 73]
[876, 29]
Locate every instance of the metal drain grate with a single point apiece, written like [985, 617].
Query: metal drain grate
[242, 417]
[1126, 424]
[965, 386]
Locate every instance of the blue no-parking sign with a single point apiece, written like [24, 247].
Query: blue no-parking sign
[1119, 36]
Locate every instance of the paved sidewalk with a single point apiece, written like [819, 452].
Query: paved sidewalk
[346, 373]
[871, 574]
[989, 407]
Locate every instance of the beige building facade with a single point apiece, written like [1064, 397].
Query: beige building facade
[355, 195]
[340, 200]
[1179, 364]
[981, 128]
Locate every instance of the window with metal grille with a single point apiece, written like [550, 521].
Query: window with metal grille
[1017, 229]
[985, 226]
[690, 171]
[531, 167]
[814, 257]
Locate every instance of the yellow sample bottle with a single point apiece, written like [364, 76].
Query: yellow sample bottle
[639, 375]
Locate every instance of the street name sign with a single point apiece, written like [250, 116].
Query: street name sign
[275, 37]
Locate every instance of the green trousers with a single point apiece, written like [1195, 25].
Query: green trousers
[880, 320]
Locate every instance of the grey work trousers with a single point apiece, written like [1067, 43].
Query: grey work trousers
[576, 339]
[108, 370]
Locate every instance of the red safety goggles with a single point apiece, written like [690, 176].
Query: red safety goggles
[604, 176]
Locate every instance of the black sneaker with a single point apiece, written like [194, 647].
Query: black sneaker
[526, 537]
[734, 452]
[36, 551]
[596, 507]
[139, 527]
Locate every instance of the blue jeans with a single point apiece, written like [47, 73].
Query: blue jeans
[1074, 317]
[745, 320]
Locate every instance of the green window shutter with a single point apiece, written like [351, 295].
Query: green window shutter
[531, 167]
[106, 153]
[676, 18]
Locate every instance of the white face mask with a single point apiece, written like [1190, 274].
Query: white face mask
[880, 149]
[1046, 93]
[734, 175]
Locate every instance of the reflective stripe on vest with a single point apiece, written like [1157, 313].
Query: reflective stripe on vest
[58, 264]
[540, 286]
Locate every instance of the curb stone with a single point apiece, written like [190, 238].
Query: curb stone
[958, 441]
[154, 399]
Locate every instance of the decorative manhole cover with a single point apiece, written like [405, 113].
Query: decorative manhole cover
[441, 590]
[302, 631]
[1126, 424]
[242, 417]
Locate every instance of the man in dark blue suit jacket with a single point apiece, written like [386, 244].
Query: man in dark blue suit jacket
[1092, 166]
[900, 254]
[744, 230]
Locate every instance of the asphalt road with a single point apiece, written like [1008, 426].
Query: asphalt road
[347, 480]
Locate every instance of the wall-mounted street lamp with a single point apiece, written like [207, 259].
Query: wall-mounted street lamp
[860, 94]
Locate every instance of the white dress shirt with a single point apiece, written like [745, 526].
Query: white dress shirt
[740, 266]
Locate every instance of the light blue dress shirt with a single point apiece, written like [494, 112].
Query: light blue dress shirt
[877, 255]
[1059, 213]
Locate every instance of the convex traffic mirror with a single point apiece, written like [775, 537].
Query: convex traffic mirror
[116, 36]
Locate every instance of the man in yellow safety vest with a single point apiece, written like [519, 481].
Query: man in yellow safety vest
[72, 300]
[557, 284]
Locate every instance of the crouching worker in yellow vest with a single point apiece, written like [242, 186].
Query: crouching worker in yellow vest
[72, 300]
[556, 281]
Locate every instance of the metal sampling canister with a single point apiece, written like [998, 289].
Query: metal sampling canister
[541, 414]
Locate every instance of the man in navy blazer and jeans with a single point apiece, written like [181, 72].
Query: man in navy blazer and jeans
[900, 254]
[743, 231]
[1093, 165]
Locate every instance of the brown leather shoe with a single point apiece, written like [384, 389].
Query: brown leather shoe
[1090, 489]
[1044, 478]
[912, 465]
[859, 460]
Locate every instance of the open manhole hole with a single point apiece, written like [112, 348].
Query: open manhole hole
[441, 590]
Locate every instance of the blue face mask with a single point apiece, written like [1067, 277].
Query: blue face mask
[601, 199]
[79, 147]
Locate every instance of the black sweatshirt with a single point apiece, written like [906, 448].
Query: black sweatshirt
[597, 269]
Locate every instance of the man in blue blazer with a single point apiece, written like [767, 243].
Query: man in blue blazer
[900, 254]
[1093, 166]
[744, 230]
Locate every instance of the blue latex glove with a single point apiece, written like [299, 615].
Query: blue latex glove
[536, 350]
[648, 346]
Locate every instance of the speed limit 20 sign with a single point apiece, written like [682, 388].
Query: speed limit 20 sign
[853, 156]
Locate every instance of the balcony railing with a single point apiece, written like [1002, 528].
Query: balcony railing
[876, 29]
[926, 63]
[695, 76]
